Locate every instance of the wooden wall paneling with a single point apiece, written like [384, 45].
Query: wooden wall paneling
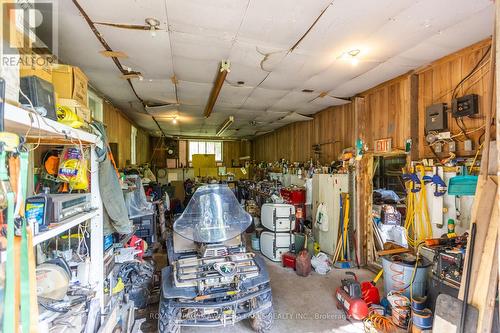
[413, 116]
[294, 142]
[388, 112]
[143, 147]
[118, 129]
[233, 150]
[436, 84]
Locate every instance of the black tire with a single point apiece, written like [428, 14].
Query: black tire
[262, 321]
[167, 317]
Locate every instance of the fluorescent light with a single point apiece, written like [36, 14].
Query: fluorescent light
[225, 125]
[224, 68]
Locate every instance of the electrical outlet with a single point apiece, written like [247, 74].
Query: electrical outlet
[438, 147]
[468, 145]
[452, 146]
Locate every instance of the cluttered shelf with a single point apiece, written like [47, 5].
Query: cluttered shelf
[64, 226]
[41, 129]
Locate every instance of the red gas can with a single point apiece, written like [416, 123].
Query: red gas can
[288, 259]
[303, 263]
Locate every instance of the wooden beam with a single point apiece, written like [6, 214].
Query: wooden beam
[484, 295]
[497, 120]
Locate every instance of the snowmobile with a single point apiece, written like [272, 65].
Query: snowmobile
[211, 279]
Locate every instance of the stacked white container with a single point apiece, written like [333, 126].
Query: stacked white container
[278, 219]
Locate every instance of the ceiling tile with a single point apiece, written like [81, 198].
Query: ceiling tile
[200, 47]
[196, 70]
[109, 83]
[231, 96]
[149, 55]
[160, 91]
[264, 118]
[337, 73]
[209, 18]
[125, 11]
[193, 93]
[348, 23]
[261, 98]
[280, 22]
[290, 101]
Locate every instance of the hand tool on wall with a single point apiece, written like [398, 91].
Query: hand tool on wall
[416, 184]
[440, 185]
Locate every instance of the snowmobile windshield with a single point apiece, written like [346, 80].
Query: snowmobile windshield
[212, 215]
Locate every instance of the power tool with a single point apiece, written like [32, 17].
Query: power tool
[349, 298]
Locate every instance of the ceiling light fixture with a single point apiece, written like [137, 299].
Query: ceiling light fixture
[225, 125]
[219, 81]
[174, 120]
[351, 56]
[154, 25]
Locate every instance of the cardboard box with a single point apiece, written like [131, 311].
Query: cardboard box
[70, 83]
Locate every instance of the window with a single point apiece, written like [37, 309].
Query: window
[133, 148]
[205, 147]
[95, 105]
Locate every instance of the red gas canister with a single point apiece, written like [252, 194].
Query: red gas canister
[288, 259]
[370, 293]
[303, 263]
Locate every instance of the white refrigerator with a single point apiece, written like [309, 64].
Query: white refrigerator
[327, 189]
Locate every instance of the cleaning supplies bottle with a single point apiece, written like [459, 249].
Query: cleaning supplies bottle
[451, 226]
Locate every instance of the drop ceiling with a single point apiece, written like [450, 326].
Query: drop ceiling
[180, 63]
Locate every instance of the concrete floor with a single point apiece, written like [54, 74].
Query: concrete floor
[301, 304]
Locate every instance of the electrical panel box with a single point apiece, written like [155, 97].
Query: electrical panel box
[435, 117]
[465, 106]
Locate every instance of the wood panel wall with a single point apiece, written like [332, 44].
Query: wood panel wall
[118, 129]
[387, 113]
[143, 146]
[233, 150]
[332, 129]
[437, 82]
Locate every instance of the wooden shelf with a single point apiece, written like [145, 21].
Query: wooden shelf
[20, 121]
[63, 226]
